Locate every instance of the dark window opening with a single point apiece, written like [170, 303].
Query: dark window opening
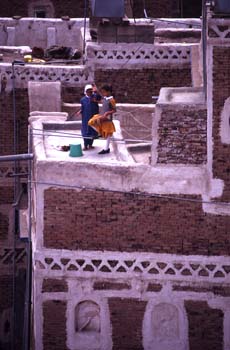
[40, 13]
[191, 9]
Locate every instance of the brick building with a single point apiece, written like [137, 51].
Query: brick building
[130, 251]
[75, 9]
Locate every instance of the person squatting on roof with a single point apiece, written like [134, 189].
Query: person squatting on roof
[103, 123]
[89, 107]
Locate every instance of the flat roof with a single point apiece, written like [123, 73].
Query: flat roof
[117, 170]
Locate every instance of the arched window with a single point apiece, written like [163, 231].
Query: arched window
[87, 317]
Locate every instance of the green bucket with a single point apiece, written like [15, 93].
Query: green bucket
[75, 150]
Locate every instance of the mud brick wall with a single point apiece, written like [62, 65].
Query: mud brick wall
[5, 304]
[4, 225]
[138, 86]
[13, 7]
[156, 8]
[215, 289]
[7, 122]
[75, 9]
[221, 91]
[54, 285]
[101, 220]
[69, 8]
[5, 292]
[54, 325]
[6, 194]
[126, 319]
[6, 200]
[182, 136]
[205, 326]
[72, 94]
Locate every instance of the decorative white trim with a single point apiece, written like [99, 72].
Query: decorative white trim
[160, 267]
[136, 55]
[221, 27]
[69, 75]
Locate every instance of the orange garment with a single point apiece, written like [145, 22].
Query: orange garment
[104, 128]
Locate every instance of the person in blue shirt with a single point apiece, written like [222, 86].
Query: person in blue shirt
[89, 107]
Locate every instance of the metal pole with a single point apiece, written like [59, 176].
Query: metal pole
[15, 209]
[16, 190]
[204, 45]
[27, 314]
[85, 14]
[23, 156]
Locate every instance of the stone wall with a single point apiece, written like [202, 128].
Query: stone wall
[182, 136]
[100, 220]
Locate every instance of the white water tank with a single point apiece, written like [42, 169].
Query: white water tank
[222, 7]
[108, 8]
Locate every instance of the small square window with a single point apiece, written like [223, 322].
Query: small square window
[40, 13]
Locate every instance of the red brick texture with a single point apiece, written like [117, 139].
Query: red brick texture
[221, 91]
[6, 194]
[71, 8]
[72, 94]
[5, 304]
[7, 123]
[75, 9]
[156, 8]
[5, 292]
[205, 326]
[54, 285]
[182, 137]
[54, 326]
[4, 225]
[138, 86]
[216, 289]
[102, 220]
[106, 285]
[126, 319]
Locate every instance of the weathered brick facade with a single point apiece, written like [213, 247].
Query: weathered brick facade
[6, 112]
[182, 136]
[7, 194]
[221, 91]
[144, 84]
[205, 326]
[54, 325]
[128, 255]
[54, 285]
[102, 220]
[75, 9]
[71, 8]
[126, 319]
[4, 225]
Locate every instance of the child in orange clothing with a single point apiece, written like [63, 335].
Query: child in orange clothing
[103, 123]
